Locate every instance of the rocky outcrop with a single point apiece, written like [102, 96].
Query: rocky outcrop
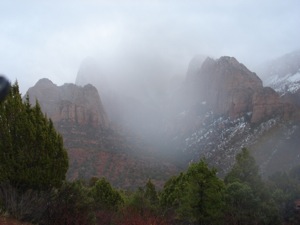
[70, 103]
[95, 147]
[266, 104]
[228, 88]
[225, 85]
[282, 74]
[231, 109]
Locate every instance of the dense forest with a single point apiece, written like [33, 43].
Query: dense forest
[33, 185]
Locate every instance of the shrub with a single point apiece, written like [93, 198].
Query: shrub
[30, 205]
[71, 205]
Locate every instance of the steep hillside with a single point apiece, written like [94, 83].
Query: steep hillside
[220, 107]
[96, 148]
[283, 73]
[69, 103]
[225, 107]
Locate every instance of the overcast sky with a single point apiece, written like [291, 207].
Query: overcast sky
[51, 38]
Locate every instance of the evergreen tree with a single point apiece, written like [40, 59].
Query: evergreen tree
[172, 192]
[245, 176]
[245, 170]
[285, 188]
[204, 198]
[105, 197]
[32, 155]
[151, 194]
[196, 196]
[70, 204]
[241, 204]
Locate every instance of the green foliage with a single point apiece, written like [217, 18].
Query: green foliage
[137, 201]
[144, 201]
[150, 193]
[31, 151]
[248, 198]
[29, 205]
[245, 170]
[33, 164]
[195, 196]
[285, 189]
[71, 204]
[204, 199]
[105, 197]
[241, 203]
[172, 192]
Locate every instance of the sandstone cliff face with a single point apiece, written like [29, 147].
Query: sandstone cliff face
[228, 108]
[70, 103]
[96, 148]
[228, 88]
[283, 75]
[266, 104]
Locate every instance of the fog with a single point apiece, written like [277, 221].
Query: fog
[52, 38]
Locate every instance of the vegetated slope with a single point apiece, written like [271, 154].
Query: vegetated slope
[95, 148]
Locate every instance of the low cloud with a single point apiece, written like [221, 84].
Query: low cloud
[50, 39]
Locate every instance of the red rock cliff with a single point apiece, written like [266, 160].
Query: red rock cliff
[228, 88]
[70, 103]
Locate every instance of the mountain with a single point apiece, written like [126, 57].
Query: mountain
[95, 147]
[225, 107]
[77, 106]
[283, 73]
[224, 88]
[133, 92]
[219, 108]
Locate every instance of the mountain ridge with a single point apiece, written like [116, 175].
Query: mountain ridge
[95, 147]
[220, 107]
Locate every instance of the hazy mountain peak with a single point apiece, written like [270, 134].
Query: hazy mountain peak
[69, 103]
[283, 73]
[44, 81]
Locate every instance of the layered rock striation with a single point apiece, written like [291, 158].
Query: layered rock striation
[95, 147]
[231, 109]
[70, 103]
[226, 87]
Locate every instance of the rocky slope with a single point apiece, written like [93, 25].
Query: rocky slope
[220, 107]
[95, 148]
[283, 73]
[223, 107]
[228, 88]
[78, 106]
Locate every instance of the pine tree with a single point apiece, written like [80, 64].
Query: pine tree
[196, 196]
[245, 176]
[204, 198]
[32, 155]
[105, 197]
[150, 193]
[245, 170]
